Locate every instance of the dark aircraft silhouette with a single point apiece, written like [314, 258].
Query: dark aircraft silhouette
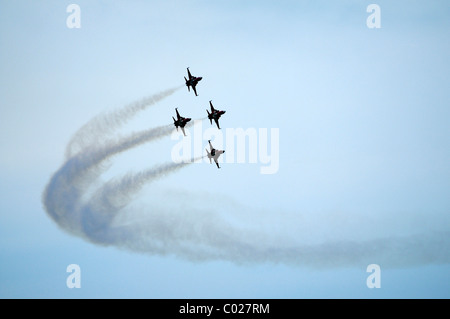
[214, 154]
[214, 115]
[193, 80]
[180, 121]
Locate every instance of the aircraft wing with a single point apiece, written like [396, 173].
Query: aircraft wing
[217, 163]
[219, 152]
[217, 122]
[195, 91]
[189, 74]
[178, 114]
[182, 128]
[212, 107]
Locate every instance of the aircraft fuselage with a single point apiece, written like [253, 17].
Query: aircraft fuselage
[193, 82]
[216, 115]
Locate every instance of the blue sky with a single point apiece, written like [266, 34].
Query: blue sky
[364, 142]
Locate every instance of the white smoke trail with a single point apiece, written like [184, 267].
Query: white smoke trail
[115, 146]
[116, 194]
[103, 124]
[79, 172]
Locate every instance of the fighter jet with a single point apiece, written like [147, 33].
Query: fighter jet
[180, 121]
[214, 154]
[214, 115]
[193, 80]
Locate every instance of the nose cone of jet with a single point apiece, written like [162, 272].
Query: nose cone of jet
[188, 119]
[200, 78]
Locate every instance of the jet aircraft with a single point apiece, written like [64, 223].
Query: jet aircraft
[214, 115]
[214, 154]
[180, 121]
[192, 81]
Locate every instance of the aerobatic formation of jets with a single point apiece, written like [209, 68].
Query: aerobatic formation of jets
[180, 122]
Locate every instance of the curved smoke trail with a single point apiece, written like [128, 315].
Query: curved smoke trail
[63, 196]
[103, 217]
